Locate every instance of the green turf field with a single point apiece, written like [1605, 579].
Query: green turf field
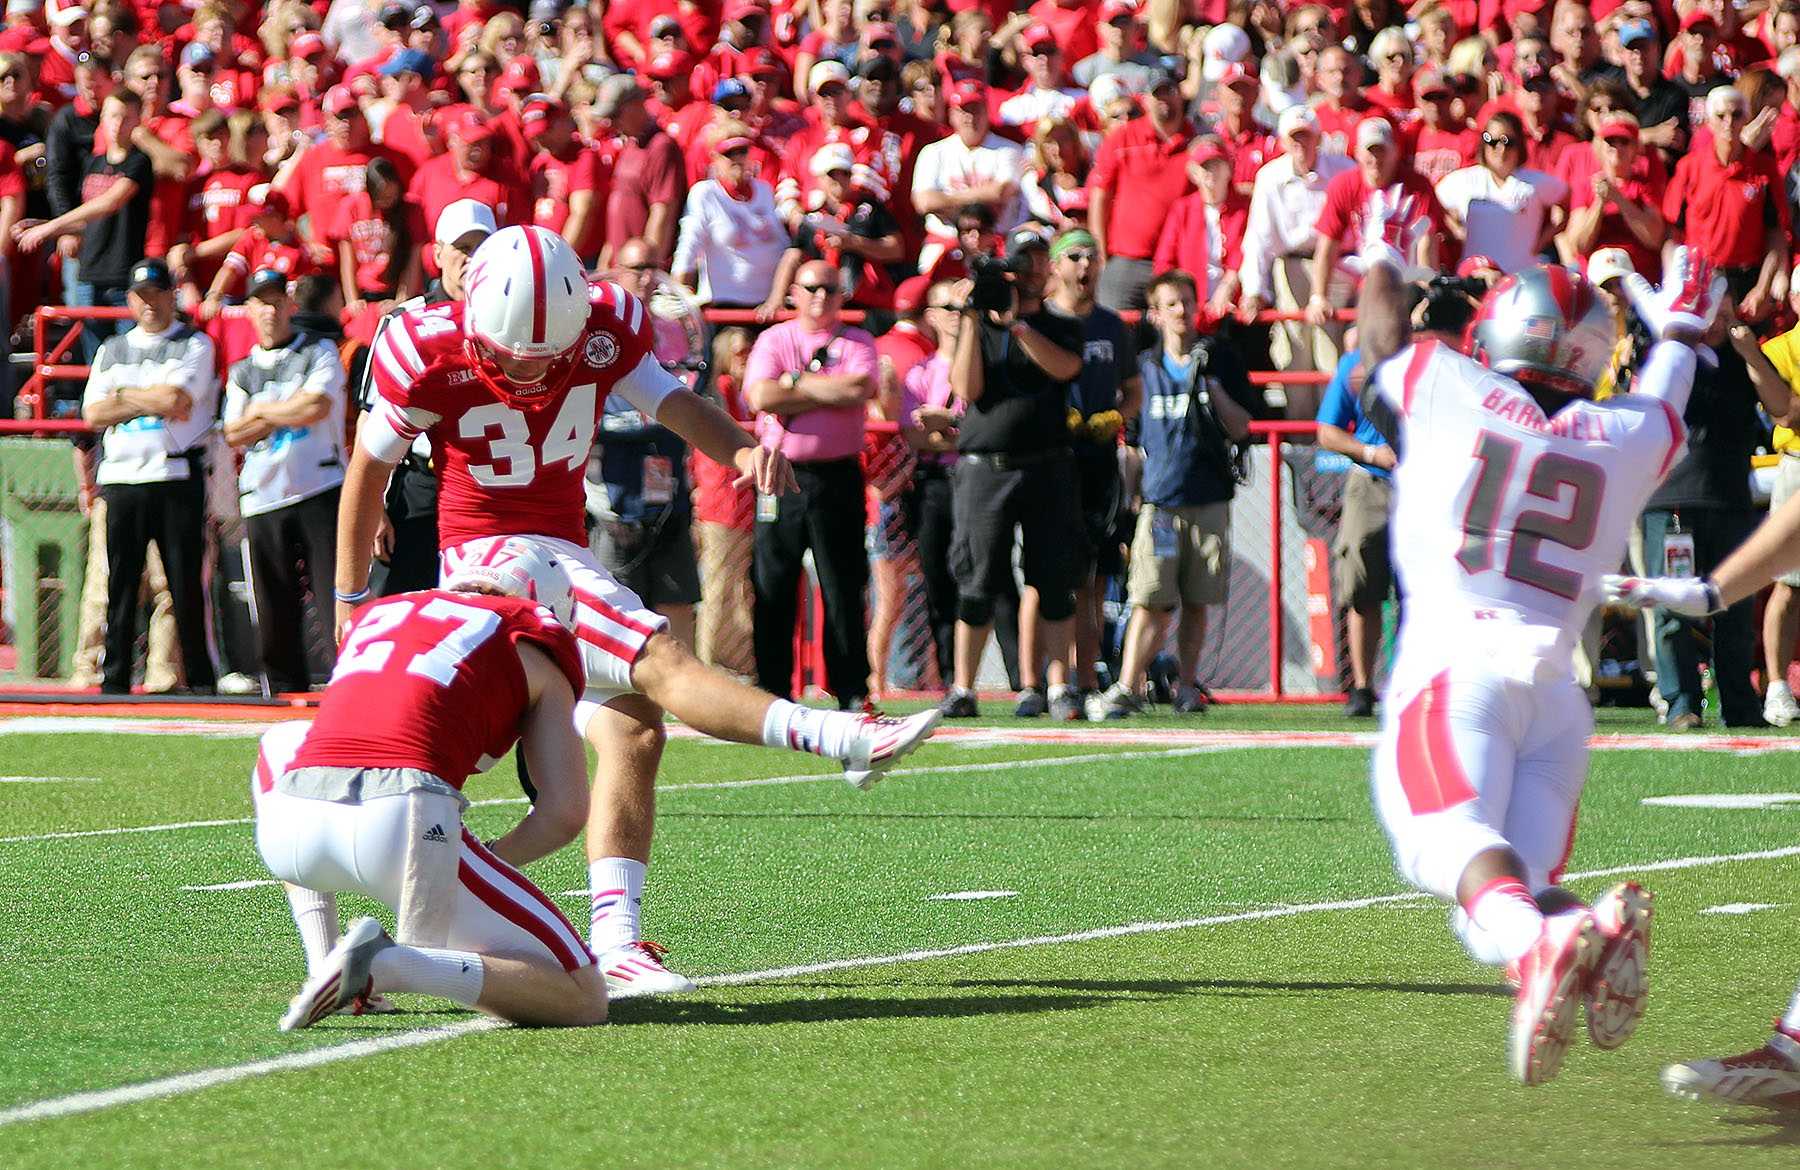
[1204, 963]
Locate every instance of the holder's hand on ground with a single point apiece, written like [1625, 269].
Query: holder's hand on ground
[1683, 306]
[1689, 596]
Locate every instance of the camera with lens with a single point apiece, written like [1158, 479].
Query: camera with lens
[1446, 304]
[993, 290]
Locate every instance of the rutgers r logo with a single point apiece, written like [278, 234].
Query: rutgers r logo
[601, 351]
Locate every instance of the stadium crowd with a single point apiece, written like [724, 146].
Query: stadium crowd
[1029, 242]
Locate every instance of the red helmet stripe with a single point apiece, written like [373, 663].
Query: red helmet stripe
[539, 310]
[1563, 289]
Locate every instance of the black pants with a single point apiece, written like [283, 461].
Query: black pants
[290, 549]
[174, 516]
[1040, 501]
[928, 515]
[826, 517]
[412, 512]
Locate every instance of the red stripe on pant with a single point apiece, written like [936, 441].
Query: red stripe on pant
[265, 780]
[1431, 776]
[523, 904]
[620, 650]
[611, 612]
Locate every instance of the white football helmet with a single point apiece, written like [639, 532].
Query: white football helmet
[516, 568]
[525, 296]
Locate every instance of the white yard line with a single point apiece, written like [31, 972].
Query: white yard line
[704, 786]
[91, 1102]
[49, 779]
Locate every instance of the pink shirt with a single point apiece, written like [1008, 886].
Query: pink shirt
[825, 432]
[928, 384]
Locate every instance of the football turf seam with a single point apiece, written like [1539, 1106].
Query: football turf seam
[94, 1101]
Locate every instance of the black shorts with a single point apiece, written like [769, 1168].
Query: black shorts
[1102, 494]
[987, 505]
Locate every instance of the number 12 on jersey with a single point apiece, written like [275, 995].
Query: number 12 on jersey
[1545, 479]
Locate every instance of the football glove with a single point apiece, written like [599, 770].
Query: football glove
[1683, 306]
[1689, 596]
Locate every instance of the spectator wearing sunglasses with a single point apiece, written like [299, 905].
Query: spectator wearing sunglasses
[1661, 105]
[1499, 207]
[810, 380]
[1441, 142]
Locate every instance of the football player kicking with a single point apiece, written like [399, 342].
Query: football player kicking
[1769, 1075]
[1514, 495]
[429, 687]
[509, 386]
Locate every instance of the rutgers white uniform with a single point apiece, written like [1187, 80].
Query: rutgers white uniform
[507, 471]
[1504, 522]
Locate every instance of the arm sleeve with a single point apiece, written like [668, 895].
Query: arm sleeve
[647, 385]
[387, 431]
[690, 231]
[194, 373]
[100, 378]
[1254, 271]
[236, 398]
[1668, 376]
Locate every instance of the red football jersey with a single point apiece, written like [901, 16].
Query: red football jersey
[503, 471]
[432, 680]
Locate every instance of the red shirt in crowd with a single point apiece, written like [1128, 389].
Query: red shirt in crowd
[1647, 184]
[1437, 152]
[1726, 209]
[1347, 197]
[1248, 152]
[255, 250]
[644, 175]
[553, 180]
[1337, 126]
[1073, 25]
[327, 174]
[218, 204]
[1144, 173]
[1544, 148]
[715, 500]
[374, 244]
[438, 184]
[1190, 242]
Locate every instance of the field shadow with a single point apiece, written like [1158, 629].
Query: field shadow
[838, 1009]
[1243, 987]
[1771, 1129]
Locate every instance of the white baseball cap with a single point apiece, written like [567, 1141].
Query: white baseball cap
[824, 72]
[68, 14]
[833, 156]
[461, 218]
[1608, 263]
[1294, 118]
[1225, 44]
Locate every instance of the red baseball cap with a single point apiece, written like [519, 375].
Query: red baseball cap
[1472, 264]
[967, 92]
[910, 293]
[1037, 36]
[1207, 150]
[1113, 9]
[305, 45]
[339, 100]
[738, 9]
[758, 60]
[1626, 128]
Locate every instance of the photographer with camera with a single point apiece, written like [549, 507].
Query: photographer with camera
[1197, 406]
[1011, 367]
[811, 379]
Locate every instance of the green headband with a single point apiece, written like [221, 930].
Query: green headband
[1076, 238]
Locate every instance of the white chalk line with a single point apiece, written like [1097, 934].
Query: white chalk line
[702, 786]
[252, 884]
[94, 1101]
[49, 779]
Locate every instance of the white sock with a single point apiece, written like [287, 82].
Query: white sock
[1508, 915]
[1060, 690]
[316, 916]
[1790, 1022]
[451, 975]
[1481, 945]
[808, 729]
[617, 887]
[1779, 687]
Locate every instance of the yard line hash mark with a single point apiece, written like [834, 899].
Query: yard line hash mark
[193, 1082]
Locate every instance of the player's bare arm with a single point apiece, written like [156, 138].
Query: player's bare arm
[558, 766]
[1773, 549]
[717, 435]
[360, 508]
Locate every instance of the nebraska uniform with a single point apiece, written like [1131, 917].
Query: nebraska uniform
[507, 471]
[1510, 519]
[428, 687]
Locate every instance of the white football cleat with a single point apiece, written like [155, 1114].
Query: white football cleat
[636, 968]
[881, 741]
[1769, 1076]
[1552, 977]
[1616, 992]
[343, 977]
[370, 1005]
[1779, 708]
